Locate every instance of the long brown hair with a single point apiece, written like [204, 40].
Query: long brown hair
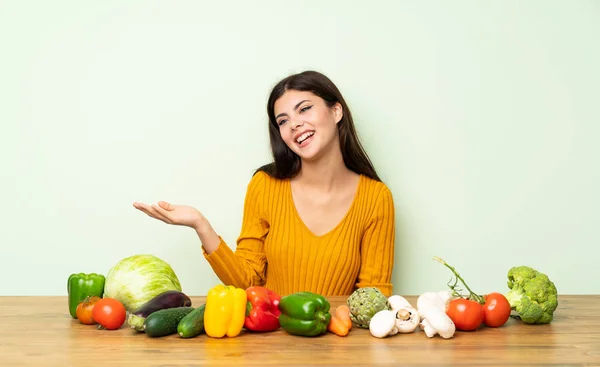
[287, 163]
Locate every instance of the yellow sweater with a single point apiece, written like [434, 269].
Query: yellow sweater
[276, 250]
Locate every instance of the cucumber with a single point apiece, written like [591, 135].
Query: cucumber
[164, 322]
[192, 324]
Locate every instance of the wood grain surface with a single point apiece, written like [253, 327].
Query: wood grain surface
[38, 331]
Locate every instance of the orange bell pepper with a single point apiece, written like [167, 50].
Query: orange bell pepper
[225, 311]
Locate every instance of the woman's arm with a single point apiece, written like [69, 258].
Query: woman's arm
[208, 237]
[242, 268]
[377, 248]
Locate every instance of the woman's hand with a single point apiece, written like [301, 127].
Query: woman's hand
[181, 215]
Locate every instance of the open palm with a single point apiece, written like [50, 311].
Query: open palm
[182, 215]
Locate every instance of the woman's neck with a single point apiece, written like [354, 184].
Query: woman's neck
[326, 173]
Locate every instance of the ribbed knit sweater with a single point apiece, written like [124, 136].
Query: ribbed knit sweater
[277, 250]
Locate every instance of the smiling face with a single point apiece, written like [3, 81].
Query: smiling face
[307, 125]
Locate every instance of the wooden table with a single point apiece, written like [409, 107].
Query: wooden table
[38, 331]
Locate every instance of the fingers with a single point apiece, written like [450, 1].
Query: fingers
[162, 212]
[166, 206]
[151, 211]
[160, 216]
[144, 208]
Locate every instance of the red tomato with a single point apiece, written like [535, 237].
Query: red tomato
[496, 310]
[466, 314]
[109, 313]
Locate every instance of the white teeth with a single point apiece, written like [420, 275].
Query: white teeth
[304, 136]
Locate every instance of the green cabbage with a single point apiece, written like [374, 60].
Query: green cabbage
[135, 280]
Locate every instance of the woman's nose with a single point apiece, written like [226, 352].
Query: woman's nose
[296, 124]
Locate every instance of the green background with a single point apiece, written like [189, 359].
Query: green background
[482, 118]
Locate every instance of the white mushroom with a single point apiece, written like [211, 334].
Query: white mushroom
[438, 323]
[407, 319]
[446, 296]
[436, 300]
[383, 324]
[432, 308]
[398, 302]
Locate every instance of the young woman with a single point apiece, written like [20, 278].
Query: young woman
[318, 218]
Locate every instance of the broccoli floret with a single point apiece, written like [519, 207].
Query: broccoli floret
[532, 295]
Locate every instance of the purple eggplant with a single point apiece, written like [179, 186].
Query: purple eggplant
[168, 299]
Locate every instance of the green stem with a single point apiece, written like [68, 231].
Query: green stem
[472, 295]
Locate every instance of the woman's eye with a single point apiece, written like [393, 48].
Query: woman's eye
[304, 109]
[281, 122]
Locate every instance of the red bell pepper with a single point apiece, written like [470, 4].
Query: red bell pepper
[262, 312]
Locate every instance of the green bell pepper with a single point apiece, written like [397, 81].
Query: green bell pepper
[80, 286]
[304, 314]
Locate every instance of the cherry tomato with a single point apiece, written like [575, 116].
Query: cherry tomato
[109, 313]
[466, 314]
[496, 310]
[84, 310]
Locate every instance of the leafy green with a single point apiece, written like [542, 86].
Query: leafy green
[137, 279]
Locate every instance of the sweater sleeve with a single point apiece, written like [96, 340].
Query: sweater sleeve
[377, 248]
[247, 265]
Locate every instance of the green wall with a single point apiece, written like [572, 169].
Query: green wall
[482, 117]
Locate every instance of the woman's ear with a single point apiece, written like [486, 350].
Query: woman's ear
[338, 112]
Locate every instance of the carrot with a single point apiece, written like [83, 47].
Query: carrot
[340, 323]
[343, 313]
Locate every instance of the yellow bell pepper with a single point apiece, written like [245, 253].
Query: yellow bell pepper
[225, 311]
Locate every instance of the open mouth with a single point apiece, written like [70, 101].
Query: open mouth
[304, 139]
